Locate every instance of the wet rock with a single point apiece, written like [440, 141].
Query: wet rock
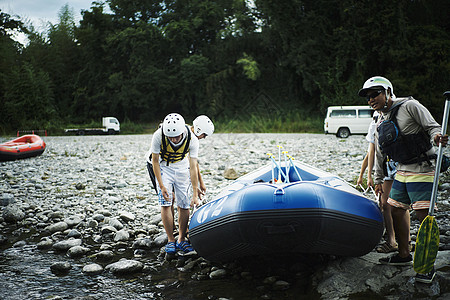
[105, 256]
[92, 269]
[280, 285]
[144, 243]
[46, 243]
[217, 274]
[60, 268]
[77, 251]
[125, 266]
[67, 244]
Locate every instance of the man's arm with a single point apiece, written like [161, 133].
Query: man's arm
[201, 184]
[157, 171]
[194, 180]
[363, 169]
[370, 157]
[379, 175]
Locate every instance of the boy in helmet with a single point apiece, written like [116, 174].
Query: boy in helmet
[415, 155]
[202, 127]
[174, 158]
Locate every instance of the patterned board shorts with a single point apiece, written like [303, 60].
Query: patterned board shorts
[411, 190]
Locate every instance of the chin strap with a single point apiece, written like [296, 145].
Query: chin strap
[387, 99]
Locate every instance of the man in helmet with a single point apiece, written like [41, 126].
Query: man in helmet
[414, 153]
[174, 158]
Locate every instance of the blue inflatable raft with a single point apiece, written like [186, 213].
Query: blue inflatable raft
[312, 211]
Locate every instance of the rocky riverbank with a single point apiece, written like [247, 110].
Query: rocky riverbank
[88, 201]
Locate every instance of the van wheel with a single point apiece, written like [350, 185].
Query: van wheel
[343, 133]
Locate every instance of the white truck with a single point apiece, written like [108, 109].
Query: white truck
[110, 126]
[346, 120]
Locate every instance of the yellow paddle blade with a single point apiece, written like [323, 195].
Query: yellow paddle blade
[427, 246]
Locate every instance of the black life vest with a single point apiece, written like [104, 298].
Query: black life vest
[170, 153]
[403, 148]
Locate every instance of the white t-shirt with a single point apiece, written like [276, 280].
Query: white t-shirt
[193, 147]
[370, 137]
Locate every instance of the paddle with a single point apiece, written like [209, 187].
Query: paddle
[427, 242]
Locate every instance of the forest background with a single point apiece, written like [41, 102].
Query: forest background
[254, 66]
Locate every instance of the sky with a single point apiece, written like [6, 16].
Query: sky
[40, 12]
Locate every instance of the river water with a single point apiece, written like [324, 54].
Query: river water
[25, 274]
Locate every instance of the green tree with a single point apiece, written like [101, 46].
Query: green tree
[9, 60]
[64, 63]
[29, 98]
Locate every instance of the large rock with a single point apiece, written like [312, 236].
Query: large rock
[6, 199]
[125, 266]
[12, 213]
[230, 173]
[60, 268]
[92, 269]
[59, 226]
[365, 275]
[66, 244]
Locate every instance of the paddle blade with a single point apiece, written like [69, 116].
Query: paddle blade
[427, 245]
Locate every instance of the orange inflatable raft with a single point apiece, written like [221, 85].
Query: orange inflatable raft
[22, 147]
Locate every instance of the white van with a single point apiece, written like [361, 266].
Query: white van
[346, 120]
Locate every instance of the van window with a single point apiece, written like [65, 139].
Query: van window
[365, 113]
[343, 113]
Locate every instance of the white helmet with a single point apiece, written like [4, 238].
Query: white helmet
[202, 124]
[173, 125]
[376, 82]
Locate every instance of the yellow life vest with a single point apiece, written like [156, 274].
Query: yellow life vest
[170, 153]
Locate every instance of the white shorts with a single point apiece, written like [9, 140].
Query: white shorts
[178, 180]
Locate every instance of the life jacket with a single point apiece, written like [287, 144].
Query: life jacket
[403, 148]
[170, 153]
